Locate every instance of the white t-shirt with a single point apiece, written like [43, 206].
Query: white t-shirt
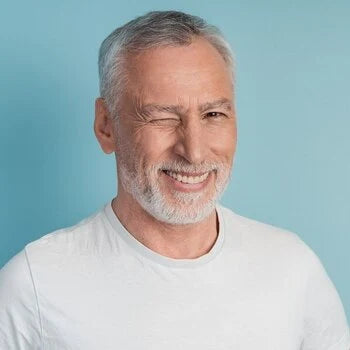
[93, 286]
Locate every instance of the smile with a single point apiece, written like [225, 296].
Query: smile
[187, 178]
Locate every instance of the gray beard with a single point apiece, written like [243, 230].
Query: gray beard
[189, 208]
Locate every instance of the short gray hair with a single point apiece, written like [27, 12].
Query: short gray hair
[154, 29]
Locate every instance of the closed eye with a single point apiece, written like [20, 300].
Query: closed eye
[164, 121]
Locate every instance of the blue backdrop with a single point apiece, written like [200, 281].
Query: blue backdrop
[292, 166]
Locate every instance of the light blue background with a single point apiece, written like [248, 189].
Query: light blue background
[292, 164]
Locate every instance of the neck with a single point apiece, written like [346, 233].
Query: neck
[175, 241]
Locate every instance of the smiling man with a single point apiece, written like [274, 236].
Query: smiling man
[174, 133]
[163, 265]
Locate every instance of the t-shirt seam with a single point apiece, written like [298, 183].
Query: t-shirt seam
[312, 268]
[223, 228]
[315, 263]
[36, 297]
[344, 336]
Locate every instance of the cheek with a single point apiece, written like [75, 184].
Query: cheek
[222, 139]
[153, 142]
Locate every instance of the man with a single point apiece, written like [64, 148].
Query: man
[163, 265]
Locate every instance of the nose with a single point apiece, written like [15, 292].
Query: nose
[191, 141]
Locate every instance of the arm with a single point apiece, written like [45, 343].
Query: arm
[325, 324]
[20, 326]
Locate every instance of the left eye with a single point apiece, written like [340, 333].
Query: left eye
[214, 114]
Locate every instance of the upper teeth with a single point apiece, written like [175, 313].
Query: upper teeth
[188, 179]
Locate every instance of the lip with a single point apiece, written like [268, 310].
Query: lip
[180, 186]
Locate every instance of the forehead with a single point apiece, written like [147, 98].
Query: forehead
[173, 74]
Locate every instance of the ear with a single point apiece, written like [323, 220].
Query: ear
[103, 127]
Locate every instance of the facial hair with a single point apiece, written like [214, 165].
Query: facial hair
[184, 208]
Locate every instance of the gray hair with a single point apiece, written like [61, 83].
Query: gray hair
[154, 29]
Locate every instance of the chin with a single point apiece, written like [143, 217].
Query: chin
[181, 211]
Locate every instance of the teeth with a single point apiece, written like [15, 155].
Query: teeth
[188, 179]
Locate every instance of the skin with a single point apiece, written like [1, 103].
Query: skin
[189, 79]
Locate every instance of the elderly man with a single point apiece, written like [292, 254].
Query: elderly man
[163, 265]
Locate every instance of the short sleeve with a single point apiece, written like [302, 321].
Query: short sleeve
[19, 313]
[325, 323]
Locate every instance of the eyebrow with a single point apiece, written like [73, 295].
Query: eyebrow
[220, 103]
[178, 109]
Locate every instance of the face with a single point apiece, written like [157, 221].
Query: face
[176, 134]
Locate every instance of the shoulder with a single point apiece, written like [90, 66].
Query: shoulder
[267, 241]
[15, 273]
[76, 239]
[19, 312]
[282, 254]
[80, 240]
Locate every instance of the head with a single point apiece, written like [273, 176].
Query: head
[167, 111]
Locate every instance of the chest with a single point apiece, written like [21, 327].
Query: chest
[143, 308]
